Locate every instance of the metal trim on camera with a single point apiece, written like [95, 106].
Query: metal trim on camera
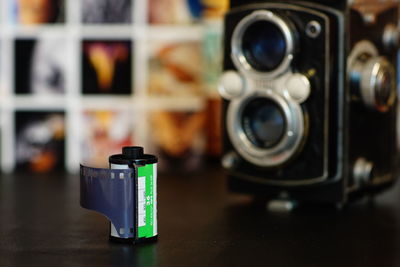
[280, 151]
[238, 56]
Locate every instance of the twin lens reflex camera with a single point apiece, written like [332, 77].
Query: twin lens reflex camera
[309, 89]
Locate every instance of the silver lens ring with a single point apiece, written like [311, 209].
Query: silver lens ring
[289, 142]
[238, 56]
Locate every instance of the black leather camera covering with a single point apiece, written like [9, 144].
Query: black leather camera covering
[372, 134]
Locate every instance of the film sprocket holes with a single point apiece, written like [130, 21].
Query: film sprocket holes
[309, 92]
[126, 194]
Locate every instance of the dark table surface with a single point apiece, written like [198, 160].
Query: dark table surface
[200, 224]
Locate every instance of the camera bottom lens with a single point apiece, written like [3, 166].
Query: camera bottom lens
[263, 122]
[265, 128]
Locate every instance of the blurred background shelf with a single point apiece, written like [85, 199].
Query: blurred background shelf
[80, 83]
[37, 102]
[176, 32]
[110, 31]
[176, 104]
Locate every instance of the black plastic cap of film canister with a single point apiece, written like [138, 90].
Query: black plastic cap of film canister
[133, 152]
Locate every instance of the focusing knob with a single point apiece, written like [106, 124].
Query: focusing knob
[378, 84]
[231, 85]
[372, 77]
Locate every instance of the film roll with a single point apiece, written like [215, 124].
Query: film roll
[126, 194]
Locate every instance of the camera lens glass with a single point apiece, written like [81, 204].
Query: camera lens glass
[264, 45]
[263, 122]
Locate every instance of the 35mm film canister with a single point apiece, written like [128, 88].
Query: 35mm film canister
[145, 166]
[126, 194]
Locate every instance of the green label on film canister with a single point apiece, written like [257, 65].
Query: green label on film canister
[147, 201]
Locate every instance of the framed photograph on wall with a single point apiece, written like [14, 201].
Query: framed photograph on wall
[175, 69]
[106, 11]
[39, 141]
[31, 12]
[105, 132]
[178, 138]
[107, 67]
[40, 65]
[174, 11]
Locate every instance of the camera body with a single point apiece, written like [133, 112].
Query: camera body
[309, 98]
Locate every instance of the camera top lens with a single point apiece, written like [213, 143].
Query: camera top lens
[263, 122]
[264, 45]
